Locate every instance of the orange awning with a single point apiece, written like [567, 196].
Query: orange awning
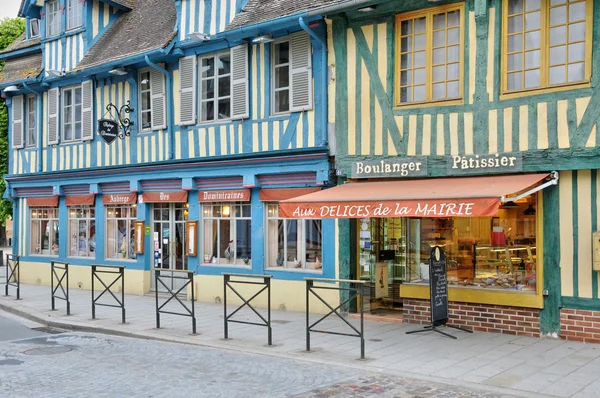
[48, 201]
[432, 197]
[278, 194]
[82, 200]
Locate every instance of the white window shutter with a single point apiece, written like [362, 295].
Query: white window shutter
[158, 100]
[87, 116]
[187, 90]
[53, 116]
[301, 85]
[239, 82]
[17, 121]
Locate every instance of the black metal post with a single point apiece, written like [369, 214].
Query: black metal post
[191, 278]
[93, 299]
[60, 283]
[156, 294]
[108, 269]
[362, 321]
[13, 274]
[308, 287]
[122, 270]
[173, 295]
[268, 282]
[225, 326]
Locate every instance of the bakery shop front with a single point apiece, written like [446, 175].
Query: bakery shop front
[490, 228]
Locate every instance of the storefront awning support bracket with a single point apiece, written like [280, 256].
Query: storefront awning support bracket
[553, 181]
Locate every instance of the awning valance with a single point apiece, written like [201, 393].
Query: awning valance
[164, 197]
[48, 201]
[432, 197]
[81, 200]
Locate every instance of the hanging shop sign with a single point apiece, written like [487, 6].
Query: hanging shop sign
[393, 167]
[485, 164]
[109, 129]
[119, 199]
[230, 195]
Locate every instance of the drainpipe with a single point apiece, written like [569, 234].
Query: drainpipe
[39, 126]
[169, 102]
[323, 82]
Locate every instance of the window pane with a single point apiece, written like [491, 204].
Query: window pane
[439, 74]
[558, 35]
[406, 44]
[557, 2]
[532, 59]
[68, 97]
[557, 75]
[453, 36]
[577, 31]
[282, 51]
[439, 91]
[282, 75]
[406, 78]
[515, 24]
[68, 132]
[531, 5]
[224, 86]
[78, 113]
[224, 108]
[558, 55]
[576, 52]
[439, 21]
[515, 43]
[454, 18]
[208, 67]
[439, 38]
[515, 62]
[282, 101]
[275, 242]
[453, 53]
[577, 12]
[243, 241]
[291, 235]
[419, 93]
[532, 78]
[420, 25]
[452, 72]
[439, 56]
[405, 61]
[224, 65]
[558, 16]
[208, 110]
[532, 40]
[405, 94]
[405, 28]
[313, 244]
[208, 89]
[146, 100]
[146, 120]
[420, 75]
[420, 42]
[515, 81]
[77, 131]
[515, 6]
[532, 20]
[576, 72]
[420, 59]
[453, 89]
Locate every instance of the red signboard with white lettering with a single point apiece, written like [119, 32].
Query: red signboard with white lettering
[119, 199]
[475, 207]
[230, 195]
[150, 197]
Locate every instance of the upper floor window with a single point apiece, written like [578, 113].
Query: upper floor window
[215, 87]
[546, 43]
[34, 28]
[71, 116]
[152, 100]
[291, 71]
[73, 14]
[52, 18]
[429, 55]
[31, 112]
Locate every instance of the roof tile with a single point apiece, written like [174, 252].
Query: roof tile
[22, 68]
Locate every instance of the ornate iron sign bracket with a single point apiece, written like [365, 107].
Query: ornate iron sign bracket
[124, 122]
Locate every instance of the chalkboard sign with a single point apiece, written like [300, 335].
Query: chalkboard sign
[438, 287]
[108, 130]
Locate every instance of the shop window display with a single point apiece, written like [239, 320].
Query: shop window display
[293, 244]
[227, 234]
[44, 231]
[120, 232]
[482, 252]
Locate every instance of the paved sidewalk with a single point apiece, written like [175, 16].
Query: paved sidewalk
[508, 365]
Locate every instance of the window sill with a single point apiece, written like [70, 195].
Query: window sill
[453, 102]
[249, 266]
[129, 260]
[83, 257]
[43, 255]
[63, 34]
[283, 269]
[538, 91]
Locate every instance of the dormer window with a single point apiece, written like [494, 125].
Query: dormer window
[52, 18]
[34, 28]
[73, 14]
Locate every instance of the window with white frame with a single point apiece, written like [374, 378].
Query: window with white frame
[73, 14]
[52, 18]
[215, 87]
[82, 231]
[281, 77]
[120, 232]
[145, 109]
[152, 98]
[71, 116]
[291, 243]
[34, 28]
[44, 231]
[227, 233]
[31, 112]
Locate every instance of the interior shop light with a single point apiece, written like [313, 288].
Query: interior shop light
[509, 205]
[530, 210]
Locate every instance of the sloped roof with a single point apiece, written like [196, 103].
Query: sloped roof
[257, 11]
[147, 27]
[22, 68]
[125, 3]
[20, 43]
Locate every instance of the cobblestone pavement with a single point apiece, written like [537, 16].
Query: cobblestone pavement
[83, 365]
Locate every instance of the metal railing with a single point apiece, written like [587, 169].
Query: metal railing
[173, 295]
[108, 270]
[59, 271]
[13, 274]
[354, 292]
[266, 283]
